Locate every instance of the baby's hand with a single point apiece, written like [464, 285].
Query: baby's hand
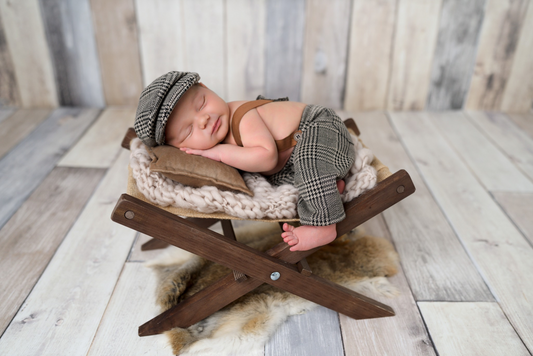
[211, 153]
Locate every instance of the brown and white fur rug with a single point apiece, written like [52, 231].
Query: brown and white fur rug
[356, 261]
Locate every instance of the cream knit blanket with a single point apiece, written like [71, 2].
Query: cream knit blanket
[268, 202]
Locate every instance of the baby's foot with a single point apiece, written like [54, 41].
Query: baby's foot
[307, 237]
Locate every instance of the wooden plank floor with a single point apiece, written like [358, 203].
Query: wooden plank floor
[74, 282]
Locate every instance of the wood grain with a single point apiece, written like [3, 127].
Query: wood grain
[71, 41]
[459, 27]
[30, 238]
[500, 252]
[414, 46]
[245, 27]
[133, 301]
[404, 334]
[513, 141]
[17, 126]
[421, 233]
[518, 93]
[87, 264]
[25, 37]
[284, 48]
[471, 329]
[9, 91]
[492, 167]
[324, 52]
[498, 41]
[118, 49]
[25, 166]
[5, 113]
[524, 121]
[100, 145]
[370, 52]
[519, 207]
[160, 24]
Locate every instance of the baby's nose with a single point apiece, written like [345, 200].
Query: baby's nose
[203, 121]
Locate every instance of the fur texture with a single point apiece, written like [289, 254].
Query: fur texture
[356, 261]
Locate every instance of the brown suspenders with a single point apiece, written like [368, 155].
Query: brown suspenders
[282, 145]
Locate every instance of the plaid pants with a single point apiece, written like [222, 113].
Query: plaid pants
[323, 155]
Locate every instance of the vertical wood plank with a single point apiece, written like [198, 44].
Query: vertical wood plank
[205, 43]
[415, 38]
[284, 48]
[421, 233]
[63, 311]
[30, 238]
[246, 25]
[325, 50]
[9, 91]
[492, 167]
[455, 53]
[403, 334]
[17, 126]
[519, 207]
[369, 58]
[100, 146]
[518, 93]
[496, 50]
[500, 252]
[132, 303]
[314, 333]
[70, 35]
[34, 73]
[24, 167]
[160, 25]
[471, 329]
[118, 49]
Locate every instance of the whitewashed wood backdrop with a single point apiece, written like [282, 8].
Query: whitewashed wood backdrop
[355, 55]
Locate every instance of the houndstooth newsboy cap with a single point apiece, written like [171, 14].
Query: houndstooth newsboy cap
[156, 103]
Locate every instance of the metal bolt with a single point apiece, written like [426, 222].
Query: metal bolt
[400, 189]
[129, 214]
[275, 276]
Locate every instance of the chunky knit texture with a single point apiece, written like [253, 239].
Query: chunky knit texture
[268, 202]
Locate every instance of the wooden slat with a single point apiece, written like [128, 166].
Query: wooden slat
[100, 146]
[70, 34]
[118, 49]
[471, 329]
[414, 46]
[519, 207]
[502, 24]
[517, 144]
[421, 233]
[524, 121]
[314, 333]
[284, 47]
[204, 43]
[518, 93]
[24, 32]
[30, 238]
[500, 252]
[404, 334]
[492, 167]
[25, 166]
[72, 294]
[246, 24]
[18, 126]
[459, 26]
[9, 91]
[160, 25]
[369, 58]
[132, 302]
[325, 50]
[5, 113]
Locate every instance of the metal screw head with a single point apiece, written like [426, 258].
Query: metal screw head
[275, 276]
[129, 214]
[400, 189]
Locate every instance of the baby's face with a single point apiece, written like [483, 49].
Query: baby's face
[200, 120]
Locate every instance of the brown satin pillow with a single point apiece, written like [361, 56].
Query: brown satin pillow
[195, 171]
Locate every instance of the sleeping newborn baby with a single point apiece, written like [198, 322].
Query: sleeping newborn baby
[307, 146]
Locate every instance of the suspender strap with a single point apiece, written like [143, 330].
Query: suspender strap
[282, 145]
